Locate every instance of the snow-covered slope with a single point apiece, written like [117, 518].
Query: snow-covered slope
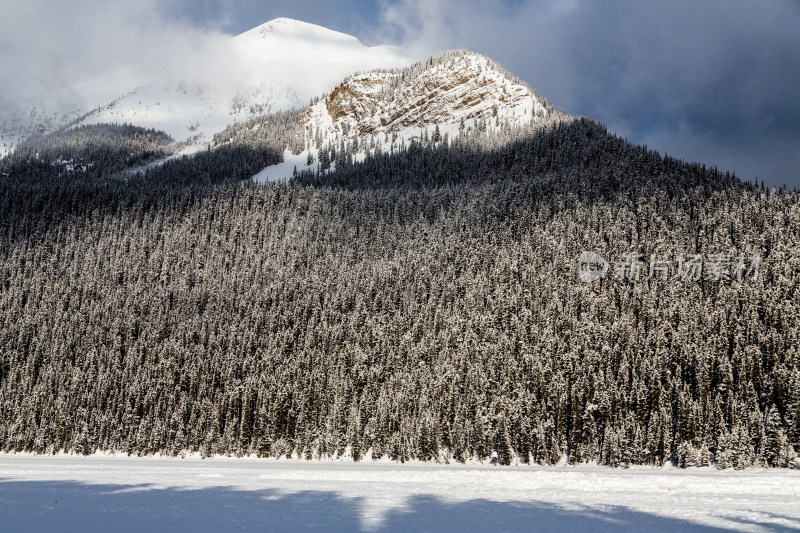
[279, 65]
[386, 109]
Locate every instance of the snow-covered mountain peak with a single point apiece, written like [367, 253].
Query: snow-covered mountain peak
[276, 66]
[286, 28]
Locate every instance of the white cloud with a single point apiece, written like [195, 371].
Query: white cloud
[91, 50]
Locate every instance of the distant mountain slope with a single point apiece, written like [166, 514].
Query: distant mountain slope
[279, 65]
[38, 114]
[455, 94]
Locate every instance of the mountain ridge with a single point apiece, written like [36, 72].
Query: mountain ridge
[435, 100]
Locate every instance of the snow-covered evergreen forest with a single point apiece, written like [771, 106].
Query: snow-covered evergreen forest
[419, 305]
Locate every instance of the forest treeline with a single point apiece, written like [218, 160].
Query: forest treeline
[422, 305]
[85, 152]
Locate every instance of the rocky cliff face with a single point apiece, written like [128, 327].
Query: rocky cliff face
[445, 91]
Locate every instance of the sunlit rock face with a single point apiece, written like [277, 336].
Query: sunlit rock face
[446, 90]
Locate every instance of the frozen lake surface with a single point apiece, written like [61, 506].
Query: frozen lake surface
[104, 493]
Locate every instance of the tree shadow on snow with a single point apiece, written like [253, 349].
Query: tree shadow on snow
[72, 506]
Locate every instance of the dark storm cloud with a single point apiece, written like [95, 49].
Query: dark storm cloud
[715, 82]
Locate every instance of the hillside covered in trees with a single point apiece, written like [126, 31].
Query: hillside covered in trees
[419, 305]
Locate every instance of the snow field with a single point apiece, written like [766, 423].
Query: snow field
[102, 493]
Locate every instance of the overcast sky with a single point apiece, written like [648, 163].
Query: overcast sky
[715, 82]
